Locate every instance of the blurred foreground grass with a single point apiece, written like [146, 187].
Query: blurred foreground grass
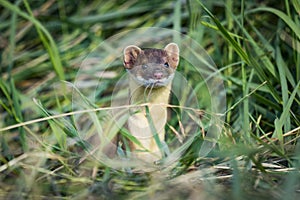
[43, 44]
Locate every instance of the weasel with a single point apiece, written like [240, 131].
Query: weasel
[151, 72]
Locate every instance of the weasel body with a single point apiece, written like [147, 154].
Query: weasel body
[151, 72]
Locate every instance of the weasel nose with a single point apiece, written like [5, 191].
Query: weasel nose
[158, 75]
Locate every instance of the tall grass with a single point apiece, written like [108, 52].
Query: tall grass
[44, 153]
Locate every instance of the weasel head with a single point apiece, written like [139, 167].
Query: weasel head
[151, 67]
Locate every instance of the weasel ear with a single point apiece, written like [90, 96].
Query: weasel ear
[130, 55]
[173, 54]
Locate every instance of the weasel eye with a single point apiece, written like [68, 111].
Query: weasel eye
[144, 66]
[166, 64]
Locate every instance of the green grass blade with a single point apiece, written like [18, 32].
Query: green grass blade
[286, 110]
[56, 127]
[284, 87]
[263, 77]
[246, 57]
[226, 35]
[296, 4]
[154, 132]
[295, 28]
[46, 37]
[130, 137]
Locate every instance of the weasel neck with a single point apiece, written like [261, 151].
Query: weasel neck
[138, 123]
[154, 95]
